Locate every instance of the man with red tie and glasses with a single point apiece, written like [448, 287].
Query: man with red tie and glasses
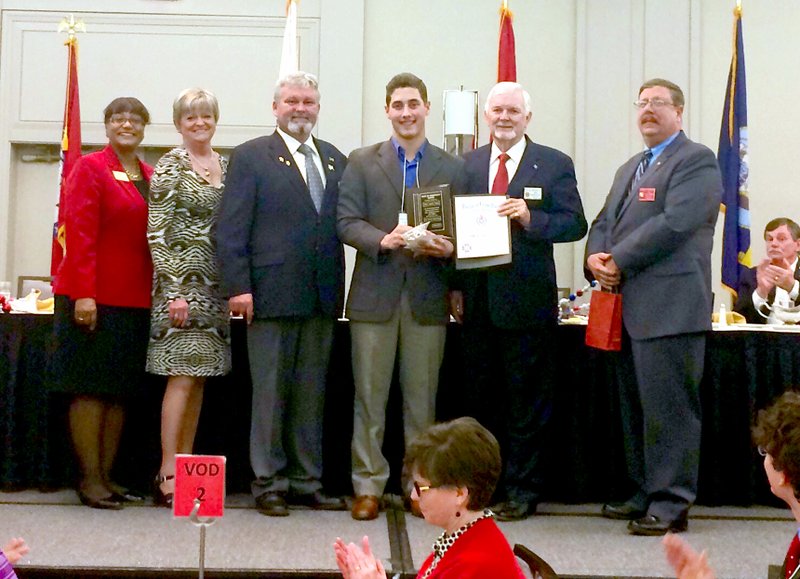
[777, 434]
[509, 312]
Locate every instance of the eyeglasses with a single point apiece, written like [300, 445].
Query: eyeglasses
[420, 488]
[654, 103]
[762, 451]
[119, 120]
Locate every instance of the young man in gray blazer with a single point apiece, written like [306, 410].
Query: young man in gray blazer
[397, 304]
[652, 242]
[282, 267]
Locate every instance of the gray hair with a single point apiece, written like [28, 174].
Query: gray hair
[193, 99]
[298, 79]
[506, 87]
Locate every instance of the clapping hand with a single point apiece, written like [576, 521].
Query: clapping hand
[15, 550]
[357, 562]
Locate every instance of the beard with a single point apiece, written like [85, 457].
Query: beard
[300, 127]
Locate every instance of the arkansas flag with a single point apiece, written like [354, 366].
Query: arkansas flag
[70, 150]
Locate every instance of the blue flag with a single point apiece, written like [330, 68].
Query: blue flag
[733, 163]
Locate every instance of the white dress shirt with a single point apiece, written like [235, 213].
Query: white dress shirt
[293, 144]
[514, 158]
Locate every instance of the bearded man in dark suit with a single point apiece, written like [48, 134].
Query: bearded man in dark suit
[282, 267]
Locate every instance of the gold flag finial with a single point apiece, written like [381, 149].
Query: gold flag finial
[71, 26]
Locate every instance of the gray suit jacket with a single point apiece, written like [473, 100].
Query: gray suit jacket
[663, 245]
[369, 202]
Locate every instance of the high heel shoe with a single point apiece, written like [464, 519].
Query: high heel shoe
[109, 503]
[162, 499]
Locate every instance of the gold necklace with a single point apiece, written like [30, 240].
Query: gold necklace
[132, 176]
[206, 170]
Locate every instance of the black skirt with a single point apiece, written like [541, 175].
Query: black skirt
[108, 361]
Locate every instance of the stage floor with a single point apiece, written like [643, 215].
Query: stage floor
[574, 539]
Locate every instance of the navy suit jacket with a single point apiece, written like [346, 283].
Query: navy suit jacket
[524, 292]
[744, 300]
[662, 242]
[271, 241]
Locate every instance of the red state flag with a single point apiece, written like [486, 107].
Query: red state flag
[70, 150]
[506, 57]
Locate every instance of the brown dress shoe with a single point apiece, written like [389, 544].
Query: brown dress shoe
[365, 508]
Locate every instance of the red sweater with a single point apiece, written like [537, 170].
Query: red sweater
[480, 553]
[105, 216]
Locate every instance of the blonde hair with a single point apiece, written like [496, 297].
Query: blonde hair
[193, 99]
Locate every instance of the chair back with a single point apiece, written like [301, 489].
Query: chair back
[537, 567]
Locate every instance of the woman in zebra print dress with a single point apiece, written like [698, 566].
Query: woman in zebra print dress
[189, 338]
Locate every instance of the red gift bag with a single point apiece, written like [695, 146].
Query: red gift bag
[605, 321]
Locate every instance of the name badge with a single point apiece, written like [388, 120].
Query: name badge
[402, 218]
[647, 194]
[120, 175]
[532, 194]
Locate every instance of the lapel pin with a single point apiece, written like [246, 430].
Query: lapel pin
[535, 166]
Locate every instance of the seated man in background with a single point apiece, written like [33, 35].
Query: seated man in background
[775, 279]
[777, 434]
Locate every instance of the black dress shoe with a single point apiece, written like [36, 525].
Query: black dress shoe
[652, 526]
[108, 503]
[515, 510]
[272, 504]
[318, 501]
[622, 511]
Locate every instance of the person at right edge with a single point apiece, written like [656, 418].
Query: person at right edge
[652, 242]
[509, 312]
[776, 279]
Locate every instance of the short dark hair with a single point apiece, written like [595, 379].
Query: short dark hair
[126, 105]
[458, 453]
[675, 91]
[404, 80]
[793, 228]
[777, 430]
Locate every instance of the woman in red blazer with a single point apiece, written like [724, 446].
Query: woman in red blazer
[103, 298]
[455, 467]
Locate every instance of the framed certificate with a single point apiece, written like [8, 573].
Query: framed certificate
[482, 237]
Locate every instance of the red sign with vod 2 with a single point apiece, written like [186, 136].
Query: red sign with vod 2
[199, 477]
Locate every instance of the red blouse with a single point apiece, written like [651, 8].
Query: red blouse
[482, 551]
[107, 257]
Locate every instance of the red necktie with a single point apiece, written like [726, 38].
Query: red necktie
[500, 185]
[792, 556]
